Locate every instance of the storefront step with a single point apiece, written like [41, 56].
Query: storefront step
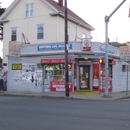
[83, 92]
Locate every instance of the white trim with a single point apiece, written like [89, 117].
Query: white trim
[51, 6]
[85, 25]
[9, 9]
[29, 10]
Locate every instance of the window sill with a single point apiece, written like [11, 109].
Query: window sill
[28, 17]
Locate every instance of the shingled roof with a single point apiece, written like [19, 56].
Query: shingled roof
[61, 8]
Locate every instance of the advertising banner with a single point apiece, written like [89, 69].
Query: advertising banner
[14, 49]
[60, 86]
[102, 83]
[53, 47]
[38, 79]
[52, 61]
[86, 45]
[17, 77]
[28, 71]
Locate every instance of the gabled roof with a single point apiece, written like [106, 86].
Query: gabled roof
[70, 13]
[57, 8]
[8, 10]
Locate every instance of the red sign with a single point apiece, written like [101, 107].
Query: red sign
[102, 83]
[14, 49]
[52, 61]
[125, 50]
[60, 86]
[113, 62]
[86, 48]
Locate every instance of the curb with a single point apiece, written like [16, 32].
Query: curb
[59, 96]
[36, 96]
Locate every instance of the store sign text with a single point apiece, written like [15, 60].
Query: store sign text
[16, 66]
[60, 86]
[125, 50]
[52, 61]
[110, 50]
[53, 47]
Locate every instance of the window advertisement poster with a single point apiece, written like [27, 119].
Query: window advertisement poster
[38, 79]
[102, 83]
[49, 71]
[60, 86]
[14, 49]
[17, 77]
[28, 72]
[54, 77]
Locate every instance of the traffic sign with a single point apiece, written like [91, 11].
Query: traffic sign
[99, 54]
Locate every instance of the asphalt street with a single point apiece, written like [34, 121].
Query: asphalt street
[31, 113]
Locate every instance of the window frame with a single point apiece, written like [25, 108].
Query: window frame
[84, 34]
[29, 10]
[37, 31]
[11, 33]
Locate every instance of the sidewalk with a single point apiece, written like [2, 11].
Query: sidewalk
[112, 96]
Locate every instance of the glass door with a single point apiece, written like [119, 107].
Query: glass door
[84, 77]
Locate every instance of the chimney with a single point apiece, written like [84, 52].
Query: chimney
[60, 3]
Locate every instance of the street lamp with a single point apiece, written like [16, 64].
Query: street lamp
[66, 52]
[107, 18]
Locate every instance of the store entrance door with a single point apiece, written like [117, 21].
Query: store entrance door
[84, 77]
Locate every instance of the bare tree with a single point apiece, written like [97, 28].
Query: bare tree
[2, 10]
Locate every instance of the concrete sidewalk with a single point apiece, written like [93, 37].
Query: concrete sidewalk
[112, 96]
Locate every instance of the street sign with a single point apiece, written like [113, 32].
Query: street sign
[100, 54]
[124, 58]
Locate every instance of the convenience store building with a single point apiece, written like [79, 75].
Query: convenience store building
[41, 68]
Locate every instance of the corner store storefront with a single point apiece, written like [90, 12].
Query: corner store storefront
[44, 64]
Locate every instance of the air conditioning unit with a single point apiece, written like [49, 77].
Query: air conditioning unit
[39, 65]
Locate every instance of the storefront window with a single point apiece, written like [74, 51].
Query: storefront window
[57, 72]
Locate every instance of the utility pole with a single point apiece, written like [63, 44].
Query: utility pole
[66, 52]
[107, 18]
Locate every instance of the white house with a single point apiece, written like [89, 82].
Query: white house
[40, 21]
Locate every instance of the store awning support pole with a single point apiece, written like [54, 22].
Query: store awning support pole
[66, 52]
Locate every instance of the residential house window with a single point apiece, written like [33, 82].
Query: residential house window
[84, 35]
[29, 10]
[14, 34]
[40, 31]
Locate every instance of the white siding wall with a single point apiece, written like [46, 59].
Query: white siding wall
[119, 78]
[54, 26]
[72, 26]
[25, 86]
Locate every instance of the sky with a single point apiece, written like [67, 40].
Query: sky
[94, 12]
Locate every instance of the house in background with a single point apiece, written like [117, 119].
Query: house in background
[40, 22]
